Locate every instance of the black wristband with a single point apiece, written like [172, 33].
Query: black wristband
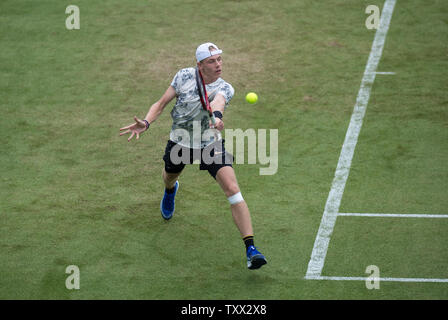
[146, 123]
[217, 114]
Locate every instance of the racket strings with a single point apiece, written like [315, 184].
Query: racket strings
[203, 95]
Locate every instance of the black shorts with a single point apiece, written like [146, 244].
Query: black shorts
[212, 157]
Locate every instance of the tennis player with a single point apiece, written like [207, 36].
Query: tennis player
[187, 115]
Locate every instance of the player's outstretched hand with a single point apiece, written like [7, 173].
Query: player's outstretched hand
[134, 129]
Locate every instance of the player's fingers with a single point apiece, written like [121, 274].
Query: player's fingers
[137, 120]
[127, 127]
[125, 132]
[138, 135]
[132, 135]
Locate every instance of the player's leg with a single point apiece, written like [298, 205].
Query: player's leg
[241, 216]
[170, 175]
[221, 169]
[169, 179]
[240, 212]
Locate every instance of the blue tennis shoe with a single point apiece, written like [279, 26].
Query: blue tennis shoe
[254, 258]
[167, 203]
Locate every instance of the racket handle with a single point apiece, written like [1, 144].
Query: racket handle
[212, 117]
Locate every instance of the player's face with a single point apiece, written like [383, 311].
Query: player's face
[212, 66]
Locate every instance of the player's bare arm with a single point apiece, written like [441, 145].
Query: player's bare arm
[140, 126]
[218, 104]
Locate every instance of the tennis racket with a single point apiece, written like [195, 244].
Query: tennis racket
[203, 95]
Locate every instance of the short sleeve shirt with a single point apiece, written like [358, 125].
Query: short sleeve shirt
[190, 121]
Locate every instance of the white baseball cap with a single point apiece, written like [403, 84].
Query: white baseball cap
[206, 50]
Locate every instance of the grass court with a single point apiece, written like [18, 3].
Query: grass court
[75, 193]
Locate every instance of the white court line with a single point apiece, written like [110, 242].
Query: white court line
[387, 73]
[392, 215]
[331, 210]
[377, 279]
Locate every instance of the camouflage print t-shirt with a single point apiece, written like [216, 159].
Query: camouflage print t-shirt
[190, 121]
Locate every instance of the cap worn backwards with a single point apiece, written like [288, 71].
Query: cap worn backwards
[206, 50]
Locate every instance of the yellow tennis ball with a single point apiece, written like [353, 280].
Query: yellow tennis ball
[251, 97]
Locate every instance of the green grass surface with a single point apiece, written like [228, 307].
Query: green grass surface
[75, 193]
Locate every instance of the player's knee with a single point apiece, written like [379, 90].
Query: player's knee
[231, 189]
[235, 198]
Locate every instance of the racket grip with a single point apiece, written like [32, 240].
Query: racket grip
[212, 117]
